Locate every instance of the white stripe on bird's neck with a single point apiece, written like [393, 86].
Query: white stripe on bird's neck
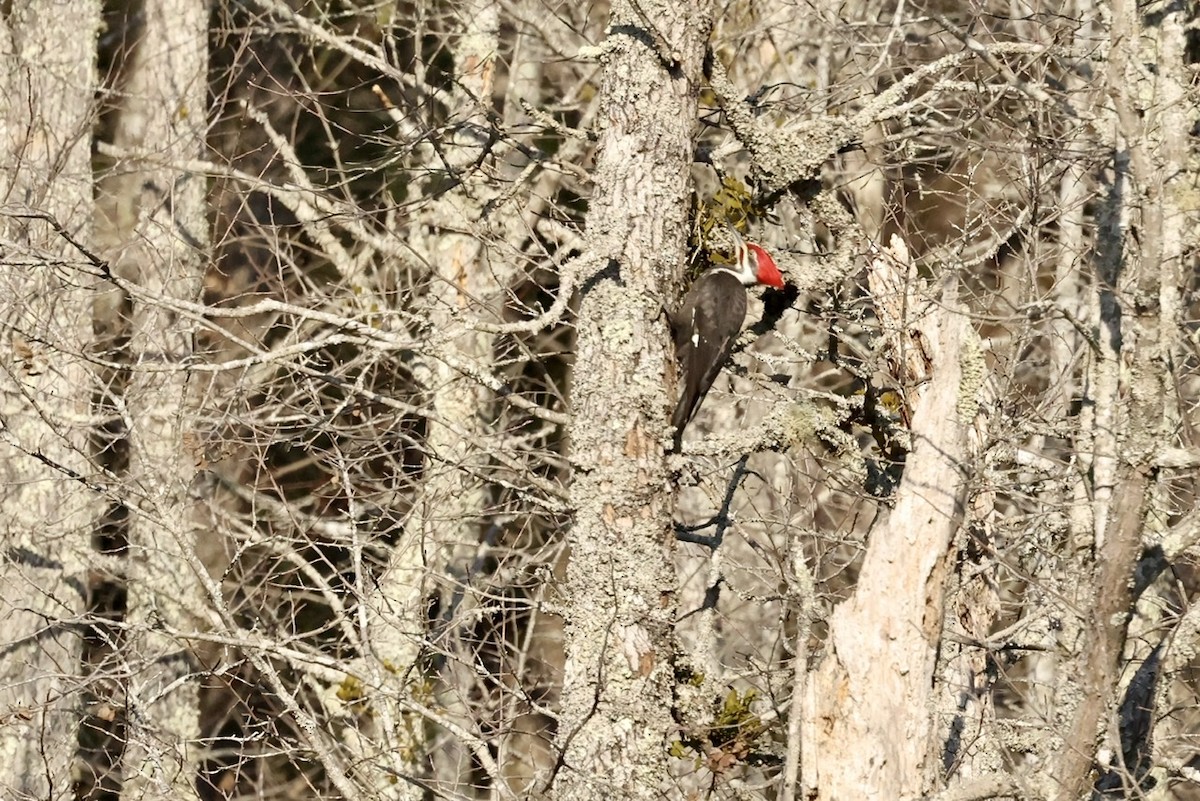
[746, 276]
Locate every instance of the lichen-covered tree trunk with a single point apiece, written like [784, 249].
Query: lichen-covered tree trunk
[154, 233]
[48, 488]
[620, 585]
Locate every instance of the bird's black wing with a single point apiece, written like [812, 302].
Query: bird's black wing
[716, 306]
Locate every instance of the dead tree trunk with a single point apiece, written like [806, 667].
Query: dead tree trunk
[867, 730]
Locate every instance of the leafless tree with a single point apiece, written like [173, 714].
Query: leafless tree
[336, 379]
[51, 497]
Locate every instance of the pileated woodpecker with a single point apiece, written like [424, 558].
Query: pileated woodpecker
[709, 320]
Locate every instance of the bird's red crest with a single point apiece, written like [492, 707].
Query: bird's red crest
[766, 271]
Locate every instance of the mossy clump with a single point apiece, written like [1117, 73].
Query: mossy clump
[731, 739]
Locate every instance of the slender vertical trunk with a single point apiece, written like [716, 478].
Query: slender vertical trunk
[450, 509]
[1139, 293]
[155, 230]
[47, 483]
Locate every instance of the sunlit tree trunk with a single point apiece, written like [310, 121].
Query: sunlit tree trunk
[1138, 287]
[155, 229]
[620, 586]
[468, 279]
[883, 640]
[48, 487]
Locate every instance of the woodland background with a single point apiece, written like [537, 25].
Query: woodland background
[335, 376]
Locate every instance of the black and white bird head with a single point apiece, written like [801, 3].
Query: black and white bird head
[753, 265]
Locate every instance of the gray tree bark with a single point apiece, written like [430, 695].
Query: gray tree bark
[155, 231]
[48, 488]
[620, 586]
[1138, 290]
[444, 527]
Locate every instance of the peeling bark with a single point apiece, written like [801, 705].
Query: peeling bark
[868, 721]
